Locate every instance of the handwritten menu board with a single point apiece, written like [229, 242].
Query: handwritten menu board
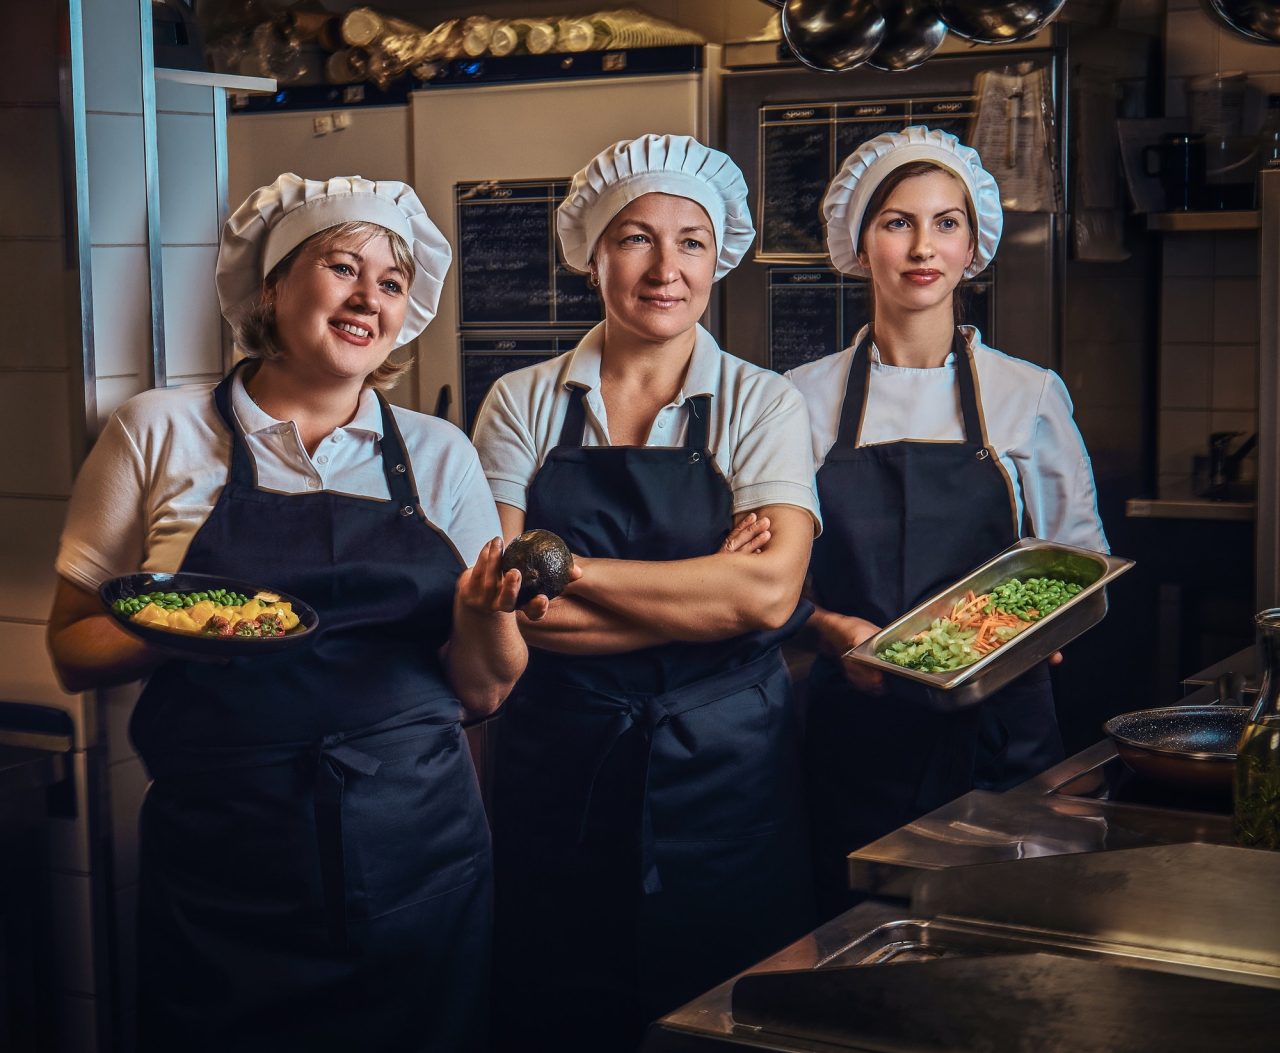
[816, 311]
[802, 146]
[508, 265]
[487, 357]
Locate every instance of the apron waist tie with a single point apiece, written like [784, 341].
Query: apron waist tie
[654, 711]
[333, 760]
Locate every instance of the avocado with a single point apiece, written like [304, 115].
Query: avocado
[544, 562]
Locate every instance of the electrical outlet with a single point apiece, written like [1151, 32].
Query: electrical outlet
[341, 119]
[322, 124]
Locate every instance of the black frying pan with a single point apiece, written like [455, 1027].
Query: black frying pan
[1193, 746]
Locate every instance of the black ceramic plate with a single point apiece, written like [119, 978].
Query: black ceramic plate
[204, 646]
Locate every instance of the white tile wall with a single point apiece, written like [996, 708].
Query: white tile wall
[1235, 377]
[188, 191]
[1236, 52]
[1186, 371]
[1235, 253]
[1186, 312]
[175, 97]
[35, 432]
[112, 60]
[192, 321]
[34, 297]
[128, 780]
[114, 391]
[30, 186]
[77, 1024]
[27, 676]
[118, 187]
[1235, 310]
[71, 897]
[1183, 434]
[30, 528]
[121, 311]
[1188, 256]
[1191, 44]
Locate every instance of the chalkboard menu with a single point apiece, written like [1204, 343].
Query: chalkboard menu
[802, 146]
[816, 311]
[508, 265]
[487, 357]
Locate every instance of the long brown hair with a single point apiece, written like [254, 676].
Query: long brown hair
[874, 207]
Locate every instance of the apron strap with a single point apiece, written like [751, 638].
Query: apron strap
[242, 472]
[853, 411]
[699, 423]
[401, 484]
[575, 418]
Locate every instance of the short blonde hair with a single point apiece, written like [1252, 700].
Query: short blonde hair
[255, 330]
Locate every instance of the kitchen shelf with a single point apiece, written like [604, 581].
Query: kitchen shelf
[230, 81]
[1193, 221]
[1188, 508]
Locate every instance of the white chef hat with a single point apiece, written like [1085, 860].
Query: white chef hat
[864, 170]
[656, 164]
[278, 218]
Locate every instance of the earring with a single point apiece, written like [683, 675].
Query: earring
[593, 279]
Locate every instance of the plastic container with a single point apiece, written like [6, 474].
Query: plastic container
[1215, 104]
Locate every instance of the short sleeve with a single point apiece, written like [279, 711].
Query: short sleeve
[1056, 474]
[105, 532]
[772, 460]
[508, 453]
[475, 517]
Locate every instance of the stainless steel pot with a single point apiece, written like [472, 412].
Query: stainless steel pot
[1192, 746]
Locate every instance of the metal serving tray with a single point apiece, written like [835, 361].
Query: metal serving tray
[1029, 557]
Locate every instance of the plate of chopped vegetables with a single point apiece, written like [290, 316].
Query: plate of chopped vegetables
[977, 635]
[207, 616]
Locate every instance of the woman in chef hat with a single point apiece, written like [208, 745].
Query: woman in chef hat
[315, 869]
[935, 452]
[649, 837]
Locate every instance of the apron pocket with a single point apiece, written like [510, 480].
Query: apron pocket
[415, 829]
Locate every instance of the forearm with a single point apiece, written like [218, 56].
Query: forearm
[574, 626]
[823, 633]
[484, 658]
[94, 652]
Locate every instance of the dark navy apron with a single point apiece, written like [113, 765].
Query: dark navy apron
[902, 520]
[649, 831]
[315, 869]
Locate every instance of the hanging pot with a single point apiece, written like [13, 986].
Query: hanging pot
[1256, 20]
[997, 21]
[832, 35]
[913, 32]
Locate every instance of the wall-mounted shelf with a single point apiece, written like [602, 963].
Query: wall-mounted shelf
[230, 81]
[1192, 221]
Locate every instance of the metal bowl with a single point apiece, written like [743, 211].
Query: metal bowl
[832, 35]
[997, 21]
[1257, 20]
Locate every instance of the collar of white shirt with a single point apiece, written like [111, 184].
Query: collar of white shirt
[971, 335]
[583, 369]
[254, 419]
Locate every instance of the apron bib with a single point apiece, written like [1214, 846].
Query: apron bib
[649, 832]
[902, 520]
[315, 863]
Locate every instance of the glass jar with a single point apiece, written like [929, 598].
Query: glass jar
[1257, 789]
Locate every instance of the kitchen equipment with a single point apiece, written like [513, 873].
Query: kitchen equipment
[1215, 104]
[1255, 20]
[1140, 949]
[1257, 775]
[1029, 557]
[832, 35]
[1230, 172]
[1223, 463]
[1179, 159]
[1181, 745]
[913, 32]
[204, 646]
[997, 21]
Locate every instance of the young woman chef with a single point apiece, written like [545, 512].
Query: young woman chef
[648, 826]
[315, 867]
[935, 453]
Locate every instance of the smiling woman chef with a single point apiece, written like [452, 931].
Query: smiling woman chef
[315, 862]
[648, 833]
[934, 449]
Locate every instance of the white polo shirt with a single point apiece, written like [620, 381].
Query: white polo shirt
[159, 466]
[1026, 409]
[759, 432]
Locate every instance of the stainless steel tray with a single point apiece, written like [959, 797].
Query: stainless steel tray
[1029, 557]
